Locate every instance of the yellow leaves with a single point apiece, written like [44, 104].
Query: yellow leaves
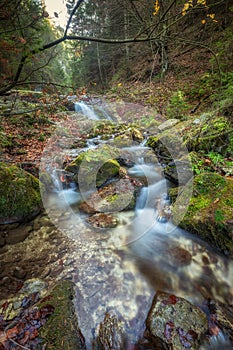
[156, 7]
[187, 6]
[210, 16]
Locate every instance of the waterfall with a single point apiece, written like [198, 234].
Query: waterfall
[83, 108]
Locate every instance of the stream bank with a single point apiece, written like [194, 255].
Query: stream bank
[123, 278]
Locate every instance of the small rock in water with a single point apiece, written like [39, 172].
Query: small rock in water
[102, 220]
[19, 273]
[112, 333]
[162, 219]
[176, 322]
[179, 256]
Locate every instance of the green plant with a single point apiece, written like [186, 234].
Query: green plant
[178, 106]
[42, 137]
[218, 215]
[215, 158]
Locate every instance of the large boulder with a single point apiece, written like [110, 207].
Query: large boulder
[95, 167]
[115, 197]
[176, 322]
[208, 132]
[20, 198]
[209, 214]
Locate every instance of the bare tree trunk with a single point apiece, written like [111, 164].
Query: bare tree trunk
[99, 65]
[126, 36]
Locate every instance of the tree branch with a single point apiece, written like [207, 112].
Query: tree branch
[71, 16]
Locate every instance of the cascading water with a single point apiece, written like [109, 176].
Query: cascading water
[88, 111]
[147, 241]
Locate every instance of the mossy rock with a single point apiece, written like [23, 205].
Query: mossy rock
[20, 198]
[114, 197]
[210, 211]
[176, 322]
[205, 134]
[168, 144]
[210, 132]
[61, 331]
[96, 165]
[103, 128]
[128, 137]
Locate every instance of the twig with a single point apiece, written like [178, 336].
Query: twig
[21, 346]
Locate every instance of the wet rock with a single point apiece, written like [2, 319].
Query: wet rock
[30, 292]
[102, 220]
[179, 256]
[19, 273]
[62, 330]
[69, 105]
[33, 285]
[95, 167]
[112, 198]
[128, 137]
[221, 317]
[209, 213]
[168, 124]
[20, 194]
[176, 322]
[18, 235]
[178, 172]
[2, 240]
[166, 145]
[111, 333]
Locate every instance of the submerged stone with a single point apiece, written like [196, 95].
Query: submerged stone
[111, 333]
[19, 193]
[176, 322]
[102, 220]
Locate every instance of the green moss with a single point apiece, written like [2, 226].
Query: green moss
[61, 330]
[112, 198]
[210, 210]
[211, 133]
[207, 182]
[19, 193]
[98, 162]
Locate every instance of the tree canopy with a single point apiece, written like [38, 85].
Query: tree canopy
[102, 39]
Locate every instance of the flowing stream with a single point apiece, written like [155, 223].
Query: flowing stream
[120, 269]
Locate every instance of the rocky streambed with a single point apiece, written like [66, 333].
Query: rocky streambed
[138, 281]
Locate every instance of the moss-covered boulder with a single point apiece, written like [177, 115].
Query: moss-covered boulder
[128, 137]
[210, 211]
[209, 132]
[61, 330]
[114, 197]
[176, 322]
[96, 166]
[203, 134]
[20, 198]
